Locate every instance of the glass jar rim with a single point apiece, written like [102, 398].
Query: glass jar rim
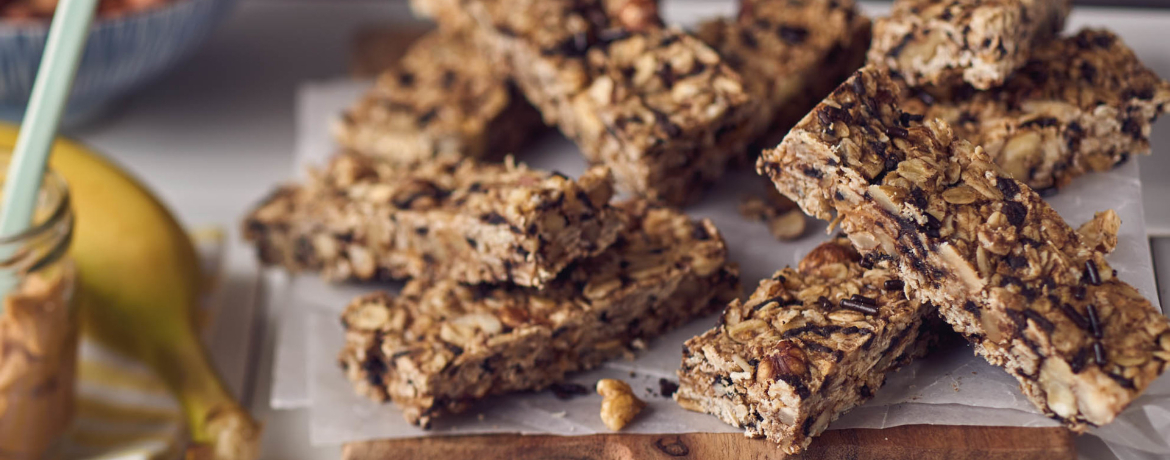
[61, 209]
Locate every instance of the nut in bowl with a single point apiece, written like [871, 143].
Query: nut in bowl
[130, 43]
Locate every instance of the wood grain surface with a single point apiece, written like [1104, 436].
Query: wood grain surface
[913, 442]
[377, 49]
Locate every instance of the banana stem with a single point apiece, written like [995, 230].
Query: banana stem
[220, 428]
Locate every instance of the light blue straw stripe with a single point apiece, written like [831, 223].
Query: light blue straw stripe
[51, 89]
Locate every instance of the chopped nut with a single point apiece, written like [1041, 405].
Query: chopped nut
[755, 208]
[1018, 153]
[826, 254]
[1100, 233]
[371, 316]
[619, 405]
[785, 222]
[362, 262]
[788, 359]
[788, 226]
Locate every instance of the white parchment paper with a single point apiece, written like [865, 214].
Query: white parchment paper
[952, 386]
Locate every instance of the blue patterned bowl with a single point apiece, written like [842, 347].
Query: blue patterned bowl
[121, 54]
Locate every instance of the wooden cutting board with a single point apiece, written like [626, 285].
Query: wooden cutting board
[378, 48]
[916, 442]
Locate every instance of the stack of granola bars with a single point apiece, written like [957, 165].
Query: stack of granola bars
[518, 277]
[933, 158]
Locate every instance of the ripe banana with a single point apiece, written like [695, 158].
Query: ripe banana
[138, 284]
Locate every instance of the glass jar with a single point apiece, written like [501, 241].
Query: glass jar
[38, 328]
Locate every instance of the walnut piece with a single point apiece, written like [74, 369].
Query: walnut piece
[619, 405]
[827, 254]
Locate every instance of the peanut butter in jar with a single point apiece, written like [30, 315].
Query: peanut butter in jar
[38, 330]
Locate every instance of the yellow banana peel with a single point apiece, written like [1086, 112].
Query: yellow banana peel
[138, 284]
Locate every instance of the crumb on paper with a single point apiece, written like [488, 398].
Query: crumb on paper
[638, 344]
[559, 414]
[568, 390]
[785, 221]
[619, 405]
[788, 226]
[667, 387]
[1100, 232]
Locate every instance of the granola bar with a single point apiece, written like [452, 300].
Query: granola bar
[714, 380]
[807, 346]
[364, 219]
[442, 99]
[790, 54]
[656, 105]
[978, 41]
[1079, 104]
[439, 346]
[1005, 270]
